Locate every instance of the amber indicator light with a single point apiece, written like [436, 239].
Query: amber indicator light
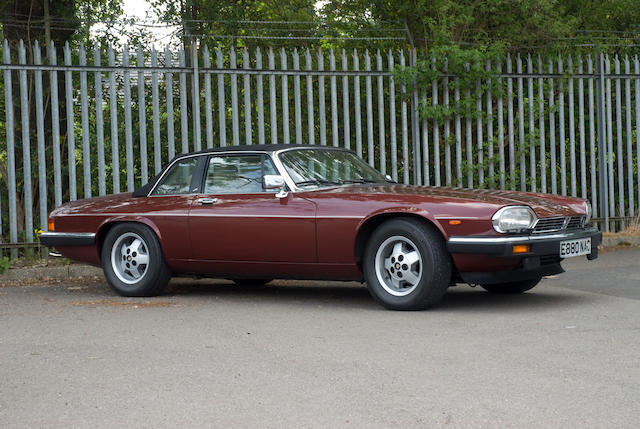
[455, 222]
[520, 248]
[52, 226]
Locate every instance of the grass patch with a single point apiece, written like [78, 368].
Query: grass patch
[632, 229]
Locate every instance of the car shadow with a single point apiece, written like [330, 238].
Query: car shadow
[304, 292]
[355, 295]
[464, 297]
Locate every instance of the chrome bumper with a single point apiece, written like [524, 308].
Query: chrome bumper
[541, 244]
[61, 239]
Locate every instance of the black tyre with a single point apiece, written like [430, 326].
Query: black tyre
[133, 262]
[406, 265]
[512, 287]
[251, 283]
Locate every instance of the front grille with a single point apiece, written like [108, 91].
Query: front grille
[575, 222]
[549, 224]
[558, 223]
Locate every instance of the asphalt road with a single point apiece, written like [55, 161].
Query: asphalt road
[302, 354]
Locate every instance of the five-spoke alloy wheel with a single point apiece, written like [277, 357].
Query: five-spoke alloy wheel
[406, 264]
[130, 258]
[133, 262]
[398, 265]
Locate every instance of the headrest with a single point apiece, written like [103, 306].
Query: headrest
[224, 169]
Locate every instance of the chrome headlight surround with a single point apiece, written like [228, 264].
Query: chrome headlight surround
[512, 219]
[588, 211]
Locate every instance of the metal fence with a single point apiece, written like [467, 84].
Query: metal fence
[105, 121]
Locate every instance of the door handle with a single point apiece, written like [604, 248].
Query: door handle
[207, 201]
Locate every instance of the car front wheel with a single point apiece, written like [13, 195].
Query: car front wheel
[133, 262]
[512, 287]
[406, 265]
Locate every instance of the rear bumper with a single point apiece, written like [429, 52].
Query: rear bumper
[543, 258]
[61, 239]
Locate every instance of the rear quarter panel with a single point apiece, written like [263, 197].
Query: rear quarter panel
[166, 216]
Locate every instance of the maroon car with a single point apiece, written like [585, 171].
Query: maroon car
[255, 213]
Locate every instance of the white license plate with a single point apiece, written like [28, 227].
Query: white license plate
[572, 248]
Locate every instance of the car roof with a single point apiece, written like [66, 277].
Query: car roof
[258, 148]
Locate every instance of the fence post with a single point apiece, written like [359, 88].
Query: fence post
[195, 99]
[26, 145]
[42, 173]
[602, 144]
[142, 117]
[11, 180]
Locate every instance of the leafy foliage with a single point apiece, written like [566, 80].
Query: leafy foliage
[5, 264]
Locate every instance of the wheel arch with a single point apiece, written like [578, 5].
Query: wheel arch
[370, 223]
[108, 224]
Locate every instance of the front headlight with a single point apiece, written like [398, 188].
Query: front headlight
[589, 211]
[514, 219]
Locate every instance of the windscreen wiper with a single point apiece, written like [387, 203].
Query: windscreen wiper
[316, 182]
[359, 181]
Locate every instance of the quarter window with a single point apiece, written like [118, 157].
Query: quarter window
[178, 179]
[237, 174]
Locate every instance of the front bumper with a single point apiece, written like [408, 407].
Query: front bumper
[61, 239]
[541, 244]
[542, 259]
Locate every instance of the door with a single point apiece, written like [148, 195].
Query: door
[169, 204]
[235, 220]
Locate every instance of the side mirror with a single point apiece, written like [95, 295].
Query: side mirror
[273, 182]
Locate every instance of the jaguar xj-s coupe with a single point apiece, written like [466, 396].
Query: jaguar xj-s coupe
[256, 213]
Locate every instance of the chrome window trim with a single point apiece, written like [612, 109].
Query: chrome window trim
[240, 153]
[283, 171]
[290, 183]
[275, 158]
[166, 170]
[207, 154]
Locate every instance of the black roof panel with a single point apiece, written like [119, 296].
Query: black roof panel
[259, 148]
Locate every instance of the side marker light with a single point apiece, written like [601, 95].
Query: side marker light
[521, 248]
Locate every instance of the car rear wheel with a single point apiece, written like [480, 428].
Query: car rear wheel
[251, 283]
[406, 265]
[512, 287]
[133, 262]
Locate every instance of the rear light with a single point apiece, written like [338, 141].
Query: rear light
[52, 225]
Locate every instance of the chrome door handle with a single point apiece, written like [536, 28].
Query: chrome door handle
[207, 201]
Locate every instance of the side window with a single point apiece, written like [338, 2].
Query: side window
[178, 179]
[237, 174]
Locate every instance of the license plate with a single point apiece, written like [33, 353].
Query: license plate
[572, 248]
